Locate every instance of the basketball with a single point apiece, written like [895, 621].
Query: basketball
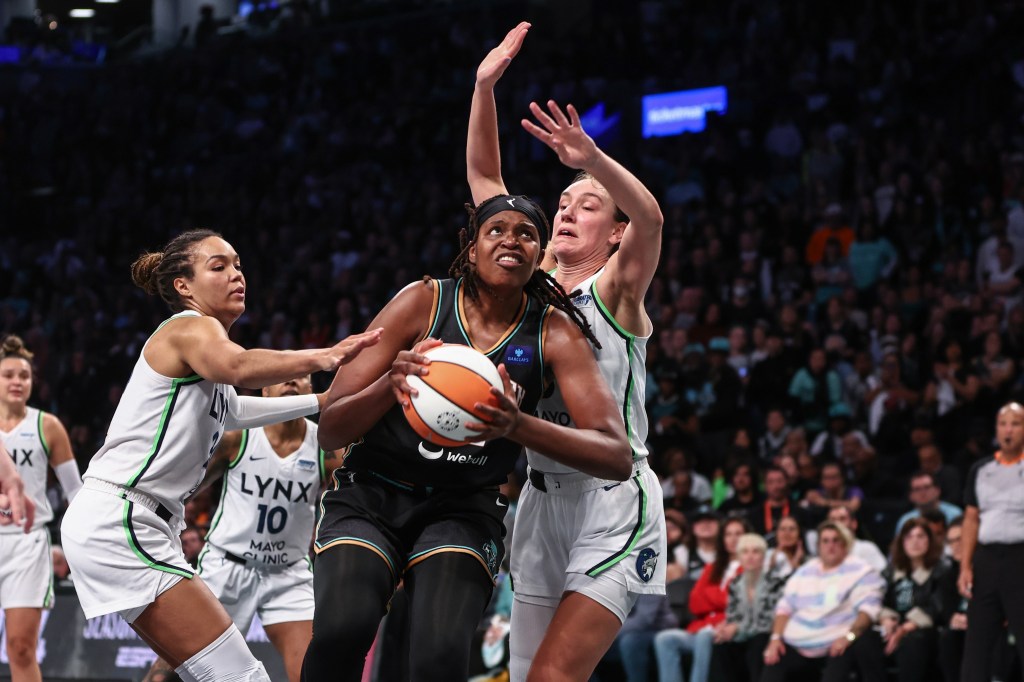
[459, 378]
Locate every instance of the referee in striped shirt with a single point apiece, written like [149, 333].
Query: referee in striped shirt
[993, 547]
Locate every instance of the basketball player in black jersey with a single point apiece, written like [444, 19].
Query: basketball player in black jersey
[403, 509]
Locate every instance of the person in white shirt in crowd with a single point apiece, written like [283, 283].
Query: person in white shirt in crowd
[823, 620]
[862, 549]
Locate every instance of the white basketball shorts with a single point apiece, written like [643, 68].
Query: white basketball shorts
[122, 555]
[278, 596]
[26, 570]
[585, 530]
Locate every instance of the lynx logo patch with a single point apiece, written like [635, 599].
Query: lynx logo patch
[646, 563]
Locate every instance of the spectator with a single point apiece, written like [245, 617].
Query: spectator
[724, 389]
[995, 371]
[814, 390]
[775, 432]
[951, 392]
[832, 227]
[831, 274]
[828, 444]
[808, 478]
[789, 552]
[872, 258]
[706, 525]
[889, 399]
[857, 385]
[776, 504]
[925, 495]
[863, 549]
[745, 500]
[666, 411]
[828, 637]
[834, 491]
[930, 460]
[913, 607]
[954, 620]
[676, 460]
[682, 499]
[708, 600]
[770, 378]
[679, 540]
[191, 544]
[739, 355]
[1003, 283]
[750, 608]
[864, 471]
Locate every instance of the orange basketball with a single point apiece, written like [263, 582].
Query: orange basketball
[459, 377]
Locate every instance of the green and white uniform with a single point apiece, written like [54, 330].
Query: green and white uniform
[580, 529]
[256, 558]
[26, 570]
[120, 534]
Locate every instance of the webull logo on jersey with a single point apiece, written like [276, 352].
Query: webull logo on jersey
[275, 489]
[451, 455]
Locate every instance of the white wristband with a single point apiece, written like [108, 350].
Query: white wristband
[69, 477]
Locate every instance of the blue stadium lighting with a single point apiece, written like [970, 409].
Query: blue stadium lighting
[683, 111]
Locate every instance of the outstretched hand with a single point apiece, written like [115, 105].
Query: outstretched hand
[498, 59]
[563, 134]
[345, 351]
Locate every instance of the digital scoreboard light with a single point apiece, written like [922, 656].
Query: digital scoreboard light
[683, 111]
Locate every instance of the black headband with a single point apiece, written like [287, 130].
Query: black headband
[522, 204]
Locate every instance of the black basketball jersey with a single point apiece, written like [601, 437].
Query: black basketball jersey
[393, 450]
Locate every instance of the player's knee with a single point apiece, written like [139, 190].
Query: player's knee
[258, 674]
[338, 636]
[446, 660]
[21, 649]
[226, 659]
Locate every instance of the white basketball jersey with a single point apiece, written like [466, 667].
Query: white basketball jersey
[622, 360]
[27, 446]
[163, 433]
[266, 503]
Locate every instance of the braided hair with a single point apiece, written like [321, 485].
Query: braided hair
[541, 285]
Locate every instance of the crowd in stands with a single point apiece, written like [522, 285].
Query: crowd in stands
[838, 311]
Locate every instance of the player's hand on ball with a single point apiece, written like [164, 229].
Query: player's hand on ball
[410, 362]
[503, 418]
